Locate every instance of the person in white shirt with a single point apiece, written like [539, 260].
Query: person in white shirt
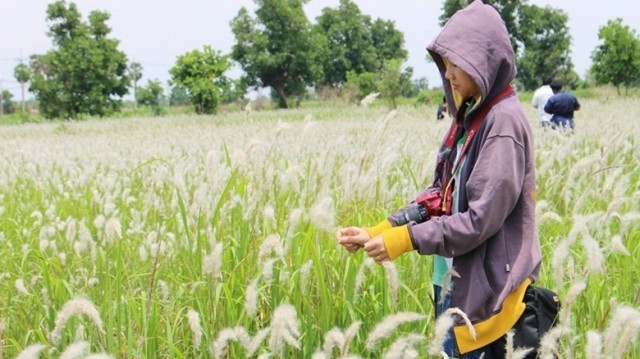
[540, 98]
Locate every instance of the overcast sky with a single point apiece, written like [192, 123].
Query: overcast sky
[154, 32]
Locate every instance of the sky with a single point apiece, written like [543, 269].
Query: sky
[153, 33]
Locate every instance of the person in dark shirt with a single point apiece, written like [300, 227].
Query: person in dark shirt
[562, 106]
[443, 110]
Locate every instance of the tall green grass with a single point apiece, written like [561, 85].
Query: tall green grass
[131, 215]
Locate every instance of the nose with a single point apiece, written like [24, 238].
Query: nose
[448, 73]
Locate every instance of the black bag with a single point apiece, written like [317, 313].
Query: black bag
[540, 315]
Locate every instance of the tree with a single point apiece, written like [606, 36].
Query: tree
[85, 73]
[546, 47]
[6, 103]
[178, 96]
[277, 49]
[539, 37]
[393, 83]
[508, 10]
[201, 73]
[22, 75]
[135, 73]
[151, 96]
[355, 43]
[616, 60]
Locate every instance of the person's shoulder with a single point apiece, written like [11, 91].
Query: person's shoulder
[507, 116]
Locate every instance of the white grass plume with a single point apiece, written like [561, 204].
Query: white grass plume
[196, 327]
[369, 99]
[71, 308]
[616, 245]
[305, 274]
[20, 288]
[366, 266]
[76, 350]
[337, 338]
[403, 347]
[595, 257]
[443, 324]
[271, 244]
[392, 278]
[513, 353]
[113, 229]
[239, 334]
[212, 263]
[388, 325]
[617, 336]
[549, 342]
[323, 214]
[285, 329]
[559, 259]
[164, 290]
[593, 349]
[251, 298]
[267, 269]
[549, 216]
[447, 283]
[100, 356]
[570, 298]
[31, 352]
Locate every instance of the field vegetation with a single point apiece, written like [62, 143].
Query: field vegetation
[213, 236]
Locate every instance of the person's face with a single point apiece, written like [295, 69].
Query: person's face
[461, 82]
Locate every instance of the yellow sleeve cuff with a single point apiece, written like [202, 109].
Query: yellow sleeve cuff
[397, 241]
[378, 228]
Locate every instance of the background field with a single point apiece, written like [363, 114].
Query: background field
[213, 236]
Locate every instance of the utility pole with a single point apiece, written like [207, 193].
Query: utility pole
[22, 84]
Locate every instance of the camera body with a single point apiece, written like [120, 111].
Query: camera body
[427, 205]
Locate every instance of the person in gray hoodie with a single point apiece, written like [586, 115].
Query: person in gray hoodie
[484, 239]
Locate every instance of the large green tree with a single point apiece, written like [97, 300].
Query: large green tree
[278, 48]
[546, 43]
[539, 37]
[201, 73]
[84, 73]
[355, 43]
[391, 81]
[6, 102]
[508, 10]
[616, 60]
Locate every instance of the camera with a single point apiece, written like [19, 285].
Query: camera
[427, 205]
[413, 212]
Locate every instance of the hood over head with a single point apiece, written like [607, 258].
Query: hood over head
[476, 40]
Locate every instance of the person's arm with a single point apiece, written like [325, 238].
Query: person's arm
[549, 106]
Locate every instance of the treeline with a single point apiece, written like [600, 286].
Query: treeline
[344, 53]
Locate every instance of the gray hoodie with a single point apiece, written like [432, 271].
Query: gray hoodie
[493, 238]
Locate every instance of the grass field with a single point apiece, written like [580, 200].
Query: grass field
[199, 237]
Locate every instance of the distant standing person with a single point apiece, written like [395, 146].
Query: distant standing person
[562, 106]
[443, 110]
[540, 98]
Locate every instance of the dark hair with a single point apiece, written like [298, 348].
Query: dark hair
[555, 85]
[547, 80]
[444, 99]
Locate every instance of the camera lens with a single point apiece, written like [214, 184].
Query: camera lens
[415, 213]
